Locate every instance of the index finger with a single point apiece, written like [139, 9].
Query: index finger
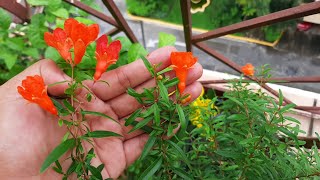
[130, 75]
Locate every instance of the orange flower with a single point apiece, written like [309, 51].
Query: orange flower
[34, 90]
[182, 62]
[76, 35]
[59, 40]
[106, 55]
[81, 36]
[248, 69]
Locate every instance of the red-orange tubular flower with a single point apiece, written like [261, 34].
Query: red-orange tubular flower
[106, 54]
[81, 36]
[34, 90]
[59, 40]
[248, 69]
[75, 35]
[182, 62]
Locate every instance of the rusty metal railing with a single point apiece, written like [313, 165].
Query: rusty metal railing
[118, 21]
[292, 13]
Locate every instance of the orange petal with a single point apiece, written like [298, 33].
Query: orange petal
[79, 50]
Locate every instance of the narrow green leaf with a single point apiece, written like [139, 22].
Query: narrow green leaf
[148, 65]
[57, 170]
[68, 105]
[132, 117]
[156, 112]
[146, 129]
[171, 82]
[164, 71]
[57, 153]
[100, 167]
[280, 97]
[95, 172]
[163, 92]
[58, 164]
[98, 114]
[182, 118]
[182, 174]
[153, 168]
[287, 107]
[182, 154]
[133, 93]
[72, 168]
[292, 119]
[60, 122]
[101, 134]
[147, 147]
[141, 124]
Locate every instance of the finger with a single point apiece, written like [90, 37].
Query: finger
[130, 75]
[50, 73]
[133, 148]
[121, 106]
[194, 89]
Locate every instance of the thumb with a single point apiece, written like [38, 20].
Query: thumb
[50, 73]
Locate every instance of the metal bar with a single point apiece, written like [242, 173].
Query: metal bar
[123, 25]
[292, 13]
[234, 66]
[15, 8]
[92, 11]
[306, 79]
[218, 56]
[185, 6]
[113, 31]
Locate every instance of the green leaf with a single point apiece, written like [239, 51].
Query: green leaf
[134, 93]
[164, 71]
[148, 65]
[10, 59]
[153, 168]
[52, 53]
[292, 119]
[72, 168]
[147, 147]
[182, 174]
[61, 12]
[141, 124]
[287, 107]
[125, 43]
[33, 52]
[98, 114]
[68, 105]
[166, 40]
[280, 97]
[5, 19]
[171, 82]
[95, 172]
[38, 2]
[57, 153]
[180, 152]
[135, 52]
[85, 20]
[163, 92]
[60, 122]
[156, 112]
[15, 43]
[182, 118]
[132, 117]
[101, 134]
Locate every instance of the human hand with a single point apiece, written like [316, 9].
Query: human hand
[29, 133]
